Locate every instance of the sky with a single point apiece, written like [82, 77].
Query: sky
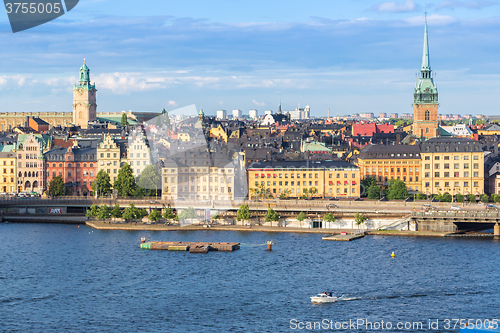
[347, 56]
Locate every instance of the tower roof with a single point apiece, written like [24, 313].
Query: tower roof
[426, 65]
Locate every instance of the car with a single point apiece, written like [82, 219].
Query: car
[383, 199]
[491, 207]
[333, 199]
[429, 207]
[330, 206]
[454, 207]
[3, 193]
[358, 199]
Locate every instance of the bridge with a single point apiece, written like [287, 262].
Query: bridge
[453, 221]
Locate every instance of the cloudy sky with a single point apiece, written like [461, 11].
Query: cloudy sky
[349, 56]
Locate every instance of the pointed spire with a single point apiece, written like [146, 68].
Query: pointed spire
[426, 66]
[279, 107]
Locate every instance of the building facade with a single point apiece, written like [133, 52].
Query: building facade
[110, 157]
[452, 165]
[139, 153]
[84, 99]
[30, 164]
[295, 179]
[8, 176]
[425, 99]
[384, 162]
[77, 167]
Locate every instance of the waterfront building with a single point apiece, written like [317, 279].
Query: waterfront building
[30, 164]
[384, 162]
[8, 175]
[84, 99]
[452, 165]
[320, 179]
[198, 175]
[139, 153]
[425, 99]
[76, 165]
[110, 157]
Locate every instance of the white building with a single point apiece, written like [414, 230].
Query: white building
[237, 114]
[300, 113]
[139, 153]
[254, 114]
[221, 114]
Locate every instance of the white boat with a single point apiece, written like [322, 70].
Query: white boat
[326, 297]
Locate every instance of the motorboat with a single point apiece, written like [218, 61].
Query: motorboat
[326, 297]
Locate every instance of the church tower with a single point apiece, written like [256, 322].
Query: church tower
[84, 99]
[425, 100]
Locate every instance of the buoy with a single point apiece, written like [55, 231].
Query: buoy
[393, 255]
[269, 245]
[78, 226]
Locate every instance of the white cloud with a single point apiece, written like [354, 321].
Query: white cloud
[8, 80]
[172, 103]
[434, 19]
[476, 4]
[396, 7]
[258, 103]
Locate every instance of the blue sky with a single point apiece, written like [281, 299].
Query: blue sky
[349, 56]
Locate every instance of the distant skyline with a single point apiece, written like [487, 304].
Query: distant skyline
[352, 56]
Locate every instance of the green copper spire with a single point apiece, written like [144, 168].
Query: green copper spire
[425, 89]
[426, 66]
[84, 72]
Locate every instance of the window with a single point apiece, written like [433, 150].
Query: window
[436, 158]
[427, 158]
[427, 116]
[466, 184]
[476, 184]
[456, 184]
[446, 174]
[447, 158]
[427, 184]
[466, 173]
[466, 157]
[447, 165]
[476, 166]
[436, 184]
[427, 174]
[476, 157]
[436, 174]
[428, 166]
[476, 174]
[456, 158]
[466, 165]
[456, 174]
[456, 166]
[436, 165]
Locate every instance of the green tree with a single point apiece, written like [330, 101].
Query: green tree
[485, 198]
[56, 186]
[459, 197]
[284, 194]
[124, 120]
[243, 213]
[359, 219]
[188, 213]
[301, 217]
[125, 181]
[93, 211]
[131, 212]
[271, 216]
[312, 191]
[329, 217]
[116, 211]
[365, 185]
[373, 191]
[104, 212]
[168, 214]
[150, 180]
[471, 197]
[496, 198]
[396, 189]
[446, 197]
[155, 215]
[102, 183]
[260, 191]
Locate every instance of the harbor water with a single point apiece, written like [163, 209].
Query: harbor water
[57, 278]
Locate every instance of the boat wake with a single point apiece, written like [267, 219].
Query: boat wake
[348, 298]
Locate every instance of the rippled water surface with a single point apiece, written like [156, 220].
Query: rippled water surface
[65, 278]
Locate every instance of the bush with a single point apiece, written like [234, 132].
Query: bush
[446, 197]
[459, 198]
[421, 196]
[94, 210]
[155, 215]
[485, 198]
[301, 217]
[329, 217]
[471, 197]
[104, 212]
[496, 198]
[168, 214]
[116, 212]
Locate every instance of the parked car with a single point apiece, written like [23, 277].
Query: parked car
[358, 199]
[333, 199]
[491, 207]
[3, 193]
[429, 207]
[454, 207]
[330, 206]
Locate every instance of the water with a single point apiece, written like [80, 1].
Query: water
[57, 278]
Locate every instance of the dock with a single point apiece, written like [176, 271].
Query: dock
[344, 237]
[192, 247]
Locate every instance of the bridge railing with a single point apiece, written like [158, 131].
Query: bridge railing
[459, 214]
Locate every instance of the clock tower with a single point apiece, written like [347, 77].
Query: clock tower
[425, 99]
[84, 99]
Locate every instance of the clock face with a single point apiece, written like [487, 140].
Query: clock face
[80, 91]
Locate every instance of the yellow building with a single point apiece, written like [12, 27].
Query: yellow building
[295, 179]
[218, 133]
[110, 157]
[384, 162]
[198, 176]
[8, 178]
[452, 165]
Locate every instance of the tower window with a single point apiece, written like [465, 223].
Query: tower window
[427, 115]
[427, 128]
